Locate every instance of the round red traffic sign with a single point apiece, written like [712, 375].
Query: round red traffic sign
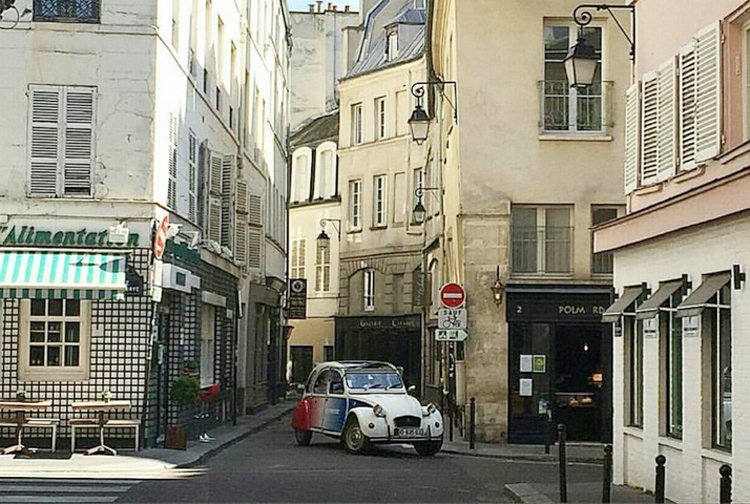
[452, 295]
[160, 240]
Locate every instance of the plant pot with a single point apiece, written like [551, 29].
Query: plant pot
[176, 438]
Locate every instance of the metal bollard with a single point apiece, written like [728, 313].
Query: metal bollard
[548, 432]
[725, 484]
[607, 474]
[472, 420]
[660, 479]
[561, 436]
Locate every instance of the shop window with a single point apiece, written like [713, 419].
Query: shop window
[672, 330]
[634, 346]
[717, 321]
[208, 325]
[541, 240]
[56, 335]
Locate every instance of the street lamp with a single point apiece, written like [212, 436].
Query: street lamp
[419, 212]
[419, 122]
[498, 288]
[324, 241]
[581, 61]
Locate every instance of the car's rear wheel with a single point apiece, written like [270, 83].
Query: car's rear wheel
[428, 448]
[353, 438]
[303, 437]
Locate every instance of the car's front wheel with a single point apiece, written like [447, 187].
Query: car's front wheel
[353, 438]
[428, 448]
[303, 437]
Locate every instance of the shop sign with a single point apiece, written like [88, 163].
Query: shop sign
[21, 236]
[296, 307]
[558, 308]
[649, 327]
[690, 326]
[133, 283]
[420, 289]
[408, 322]
[540, 363]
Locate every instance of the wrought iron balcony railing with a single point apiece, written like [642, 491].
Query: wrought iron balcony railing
[72, 11]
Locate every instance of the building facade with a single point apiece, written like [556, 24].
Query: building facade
[379, 169]
[526, 166]
[130, 128]
[681, 254]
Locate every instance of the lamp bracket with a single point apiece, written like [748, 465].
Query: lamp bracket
[418, 90]
[583, 17]
[336, 223]
[419, 191]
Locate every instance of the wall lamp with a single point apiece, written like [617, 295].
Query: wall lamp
[498, 288]
[581, 61]
[419, 122]
[419, 212]
[7, 5]
[324, 241]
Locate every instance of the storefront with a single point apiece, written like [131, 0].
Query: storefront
[560, 362]
[391, 339]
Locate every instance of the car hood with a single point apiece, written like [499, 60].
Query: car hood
[395, 405]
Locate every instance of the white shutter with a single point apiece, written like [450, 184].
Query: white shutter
[254, 247]
[667, 120]
[227, 209]
[172, 184]
[214, 179]
[687, 107]
[632, 114]
[240, 239]
[78, 159]
[255, 209]
[241, 198]
[708, 92]
[214, 220]
[649, 128]
[45, 114]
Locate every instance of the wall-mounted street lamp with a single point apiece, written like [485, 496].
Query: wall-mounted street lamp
[581, 61]
[498, 288]
[419, 122]
[324, 241]
[419, 212]
[15, 16]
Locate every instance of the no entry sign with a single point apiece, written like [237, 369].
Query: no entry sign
[452, 295]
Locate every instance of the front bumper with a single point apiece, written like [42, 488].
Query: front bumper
[382, 431]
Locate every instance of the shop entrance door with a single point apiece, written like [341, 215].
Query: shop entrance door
[302, 362]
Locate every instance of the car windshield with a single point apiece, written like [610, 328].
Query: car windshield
[373, 380]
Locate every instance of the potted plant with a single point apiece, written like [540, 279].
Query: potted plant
[185, 392]
[191, 367]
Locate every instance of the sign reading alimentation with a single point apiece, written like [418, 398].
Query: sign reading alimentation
[20, 236]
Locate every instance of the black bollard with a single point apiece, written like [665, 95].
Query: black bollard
[660, 479]
[607, 475]
[561, 435]
[725, 484]
[548, 432]
[472, 419]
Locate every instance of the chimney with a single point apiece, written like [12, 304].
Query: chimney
[312, 8]
[346, 8]
[329, 7]
[335, 8]
[320, 5]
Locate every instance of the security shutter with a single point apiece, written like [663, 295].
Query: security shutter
[687, 107]
[79, 141]
[649, 128]
[45, 139]
[172, 185]
[632, 114]
[227, 209]
[708, 92]
[667, 120]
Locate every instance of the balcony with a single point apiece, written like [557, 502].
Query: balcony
[70, 11]
[541, 250]
[567, 110]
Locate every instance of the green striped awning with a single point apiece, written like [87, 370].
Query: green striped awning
[38, 274]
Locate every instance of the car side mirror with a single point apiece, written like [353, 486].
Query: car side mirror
[412, 389]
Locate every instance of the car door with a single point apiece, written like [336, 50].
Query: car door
[318, 398]
[335, 410]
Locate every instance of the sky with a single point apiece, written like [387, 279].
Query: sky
[301, 5]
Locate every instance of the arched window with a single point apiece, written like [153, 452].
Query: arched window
[301, 164]
[325, 171]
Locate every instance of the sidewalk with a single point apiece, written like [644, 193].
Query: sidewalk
[576, 452]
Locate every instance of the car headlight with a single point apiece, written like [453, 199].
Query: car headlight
[429, 410]
[378, 410]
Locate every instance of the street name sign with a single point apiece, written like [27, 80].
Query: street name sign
[449, 318]
[451, 335]
[452, 295]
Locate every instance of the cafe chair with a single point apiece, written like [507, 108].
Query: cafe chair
[38, 423]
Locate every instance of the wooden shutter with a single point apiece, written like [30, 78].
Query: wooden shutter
[649, 128]
[227, 209]
[255, 209]
[632, 115]
[240, 236]
[214, 179]
[172, 185]
[687, 107]
[254, 247]
[45, 113]
[214, 198]
[708, 92]
[78, 160]
[667, 120]
[214, 220]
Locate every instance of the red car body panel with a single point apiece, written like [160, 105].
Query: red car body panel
[301, 419]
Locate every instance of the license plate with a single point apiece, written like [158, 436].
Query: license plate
[409, 432]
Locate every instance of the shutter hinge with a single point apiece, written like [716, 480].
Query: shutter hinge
[723, 139]
[723, 38]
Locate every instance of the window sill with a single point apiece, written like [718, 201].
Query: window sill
[633, 431]
[574, 137]
[717, 454]
[378, 228]
[35, 376]
[674, 443]
[354, 231]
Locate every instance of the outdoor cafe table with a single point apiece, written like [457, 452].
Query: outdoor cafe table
[21, 407]
[101, 407]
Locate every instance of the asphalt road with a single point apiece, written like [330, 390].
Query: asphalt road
[269, 467]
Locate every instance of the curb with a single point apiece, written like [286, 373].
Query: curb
[530, 458]
[229, 442]
[523, 492]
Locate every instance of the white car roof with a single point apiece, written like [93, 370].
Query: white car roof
[357, 365]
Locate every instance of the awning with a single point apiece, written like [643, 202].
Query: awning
[629, 295]
[695, 303]
[42, 274]
[650, 308]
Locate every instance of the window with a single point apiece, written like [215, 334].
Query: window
[392, 48]
[56, 336]
[541, 240]
[325, 171]
[634, 339]
[565, 108]
[172, 163]
[61, 123]
[192, 177]
[369, 290]
[208, 324]
[380, 119]
[81, 11]
[672, 330]
[321, 383]
[328, 353]
[218, 98]
[602, 263]
[357, 124]
[355, 205]
[301, 175]
[419, 4]
[298, 259]
[323, 269]
[717, 321]
[337, 383]
[379, 201]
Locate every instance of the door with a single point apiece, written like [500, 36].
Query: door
[302, 362]
[318, 398]
[335, 411]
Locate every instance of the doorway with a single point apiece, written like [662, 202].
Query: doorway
[302, 362]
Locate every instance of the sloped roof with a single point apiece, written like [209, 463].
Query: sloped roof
[317, 130]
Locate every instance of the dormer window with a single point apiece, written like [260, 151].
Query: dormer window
[392, 47]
